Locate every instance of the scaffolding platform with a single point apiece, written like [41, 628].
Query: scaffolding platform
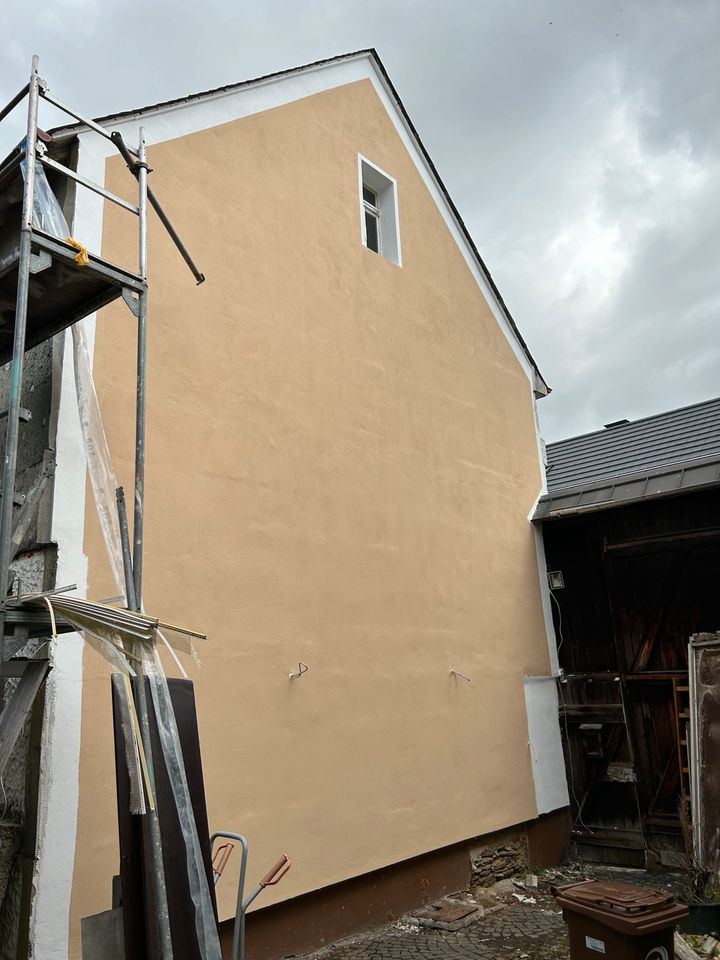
[60, 292]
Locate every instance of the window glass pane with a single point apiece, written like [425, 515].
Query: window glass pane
[369, 196]
[372, 232]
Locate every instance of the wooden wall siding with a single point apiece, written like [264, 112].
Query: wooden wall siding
[638, 582]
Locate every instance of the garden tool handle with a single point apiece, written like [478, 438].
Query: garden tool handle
[220, 857]
[276, 872]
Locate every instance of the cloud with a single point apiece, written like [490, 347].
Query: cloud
[579, 140]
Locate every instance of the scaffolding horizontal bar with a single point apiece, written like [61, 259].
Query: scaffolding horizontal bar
[95, 187]
[74, 113]
[9, 107]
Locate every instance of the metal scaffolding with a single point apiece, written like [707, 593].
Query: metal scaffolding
[55, 282]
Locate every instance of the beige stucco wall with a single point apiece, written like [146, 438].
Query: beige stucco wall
[341, 460]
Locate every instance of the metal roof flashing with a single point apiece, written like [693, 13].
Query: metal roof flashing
[670, 453]
[539, 385]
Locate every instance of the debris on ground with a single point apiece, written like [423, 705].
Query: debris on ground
[707, 946]
[514, 919]
[683, 950]
[522, 899]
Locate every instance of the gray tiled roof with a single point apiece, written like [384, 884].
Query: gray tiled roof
[678, 436]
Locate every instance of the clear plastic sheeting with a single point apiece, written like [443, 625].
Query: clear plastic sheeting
[205, 926]
[47, 212]
[100, 468]
[102, 477]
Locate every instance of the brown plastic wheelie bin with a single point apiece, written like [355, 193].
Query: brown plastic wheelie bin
[619, 920]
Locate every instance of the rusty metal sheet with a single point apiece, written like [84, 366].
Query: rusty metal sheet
[446, 915]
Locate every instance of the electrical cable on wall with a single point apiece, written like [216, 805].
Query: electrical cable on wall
[570, 761]
[565, 724]
[632, 760]
[557, 604]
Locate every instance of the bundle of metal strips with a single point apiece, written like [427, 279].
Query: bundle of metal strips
[118, 632]
[102, 620]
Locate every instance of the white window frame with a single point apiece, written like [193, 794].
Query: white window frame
[385, 188]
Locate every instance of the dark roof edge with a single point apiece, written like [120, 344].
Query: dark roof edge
[587, 508]
[604, 431]
[653, 473]
[372, 53]
[459, 219]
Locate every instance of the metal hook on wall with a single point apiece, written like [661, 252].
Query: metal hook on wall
[302, 668]
[454, 673]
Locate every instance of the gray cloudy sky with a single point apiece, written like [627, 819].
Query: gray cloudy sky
[580, 140]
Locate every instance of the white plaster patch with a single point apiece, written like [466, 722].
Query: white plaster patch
[548, 765]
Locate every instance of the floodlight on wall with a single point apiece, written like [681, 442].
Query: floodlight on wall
[556, 580]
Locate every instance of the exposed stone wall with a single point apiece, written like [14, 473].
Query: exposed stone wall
[498, 856]
[35, 565]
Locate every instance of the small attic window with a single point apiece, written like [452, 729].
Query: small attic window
[378, 211]
[372, 219]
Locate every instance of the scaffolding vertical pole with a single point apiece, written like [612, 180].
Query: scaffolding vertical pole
[159, 891]
[139, 504]
[16, 365]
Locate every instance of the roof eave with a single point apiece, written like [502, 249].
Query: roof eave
[682, 477]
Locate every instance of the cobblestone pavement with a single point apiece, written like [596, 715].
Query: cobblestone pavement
[519, 931]
[532, 931]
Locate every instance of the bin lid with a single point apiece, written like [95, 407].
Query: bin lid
[623, 906]
[625, 898]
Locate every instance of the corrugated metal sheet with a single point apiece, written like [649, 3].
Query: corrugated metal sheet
[641, 446]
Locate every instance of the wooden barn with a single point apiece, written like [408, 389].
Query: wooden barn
[631, 528]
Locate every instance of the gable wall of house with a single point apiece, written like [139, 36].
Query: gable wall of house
[342, 458]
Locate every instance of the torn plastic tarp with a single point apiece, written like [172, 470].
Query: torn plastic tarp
[102, 477]
[47, 212]
[100, 468]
